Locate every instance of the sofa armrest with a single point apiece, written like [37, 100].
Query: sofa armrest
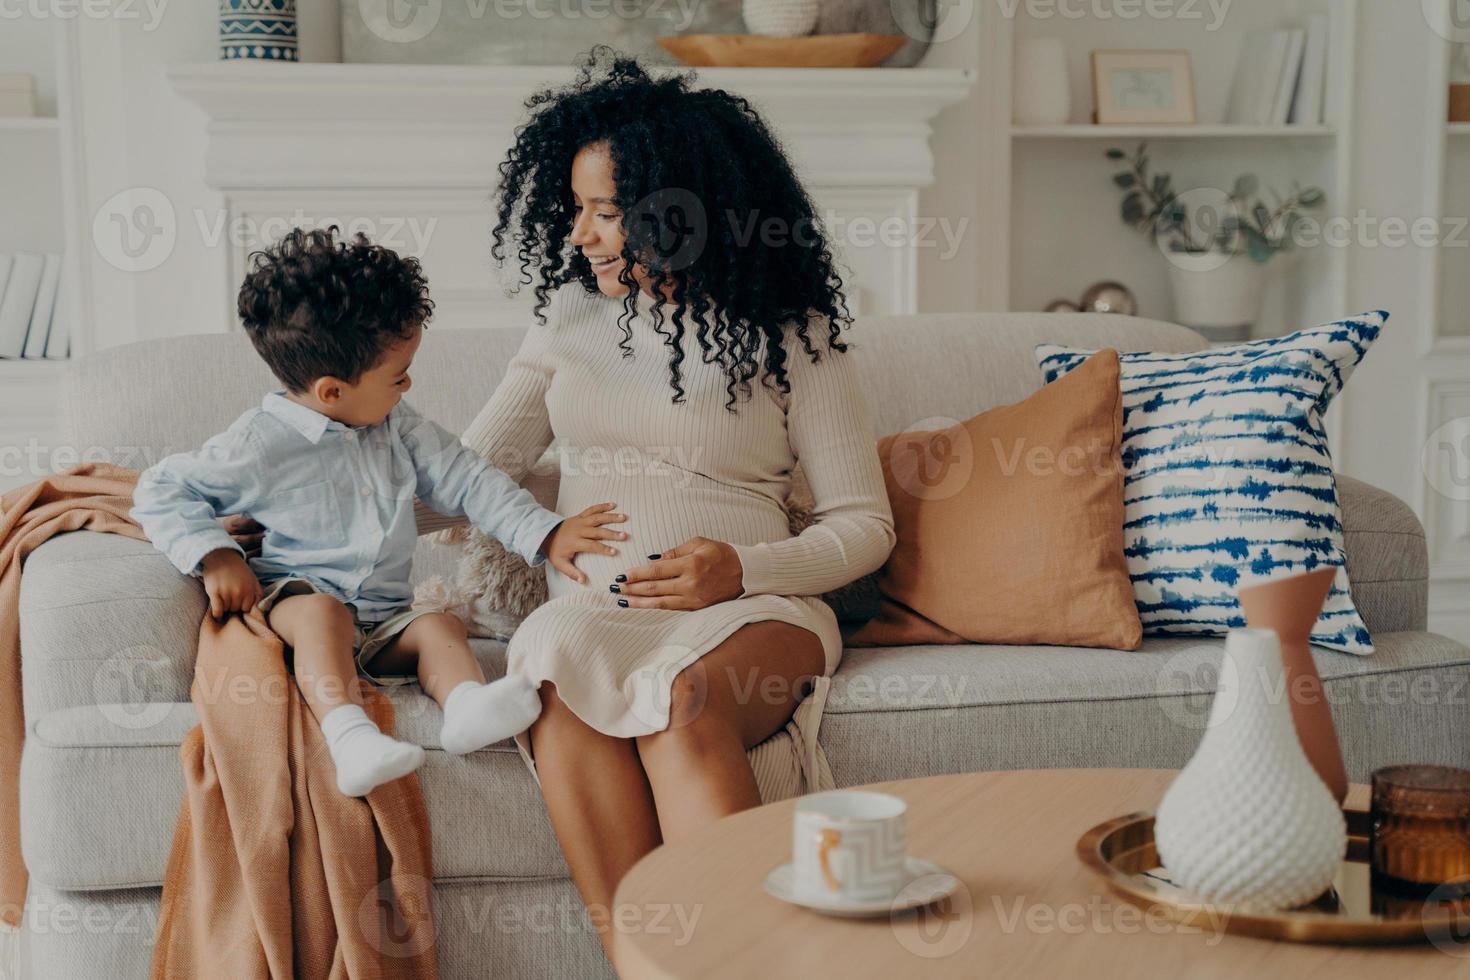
[105, 619]
[1387, 558]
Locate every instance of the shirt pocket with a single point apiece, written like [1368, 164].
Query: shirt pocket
[306, 515]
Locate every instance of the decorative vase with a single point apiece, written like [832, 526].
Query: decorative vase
[1217, 294]
[780, 18]
[1248, 824]
[1289, 607]
[1042, 94]
[257, 30]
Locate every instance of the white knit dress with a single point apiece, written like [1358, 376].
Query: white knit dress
[678, 471]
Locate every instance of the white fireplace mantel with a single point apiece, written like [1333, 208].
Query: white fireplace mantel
[423, 141]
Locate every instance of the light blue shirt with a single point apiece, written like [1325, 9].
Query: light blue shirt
[336, 500]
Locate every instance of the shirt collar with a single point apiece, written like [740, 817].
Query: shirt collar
[309, 422]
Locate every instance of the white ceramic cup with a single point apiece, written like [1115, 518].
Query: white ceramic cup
[848, 846]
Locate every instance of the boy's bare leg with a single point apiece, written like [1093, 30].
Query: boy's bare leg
[436, 647]
[319, 630]
[475, 713]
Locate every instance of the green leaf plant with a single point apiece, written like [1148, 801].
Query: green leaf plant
[1237, 223]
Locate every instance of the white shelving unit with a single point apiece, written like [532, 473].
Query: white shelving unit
[1064, 207]
[1089, 131]
[36, 215]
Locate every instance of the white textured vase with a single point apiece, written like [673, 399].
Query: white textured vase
[780, 18]
[1248, 824]
[1041, 92]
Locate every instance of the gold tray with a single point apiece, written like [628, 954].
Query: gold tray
[757, 51]
[1352, 912]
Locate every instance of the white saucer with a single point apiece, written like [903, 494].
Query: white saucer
[926, 882]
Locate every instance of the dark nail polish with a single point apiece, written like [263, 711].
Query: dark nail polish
[621, 578]
[656, 556]
[623, 603]
[614, 588]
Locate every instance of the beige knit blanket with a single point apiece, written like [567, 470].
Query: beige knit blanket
[273, 872]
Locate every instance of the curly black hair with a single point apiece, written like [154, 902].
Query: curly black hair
[701, 183]
[316, 305]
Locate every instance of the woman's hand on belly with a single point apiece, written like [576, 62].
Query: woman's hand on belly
[698, 573]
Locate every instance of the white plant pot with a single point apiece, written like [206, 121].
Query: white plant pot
[1218, 295]
[780, 18]
[1248, 825]
[1042, 96]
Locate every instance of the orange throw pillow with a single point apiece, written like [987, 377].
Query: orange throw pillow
[1010, 525]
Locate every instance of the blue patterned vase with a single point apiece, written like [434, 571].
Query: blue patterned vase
[260, 30]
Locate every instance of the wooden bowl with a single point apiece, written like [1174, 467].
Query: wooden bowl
[758, 51]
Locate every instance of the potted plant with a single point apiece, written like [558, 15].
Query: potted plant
[1217, 242]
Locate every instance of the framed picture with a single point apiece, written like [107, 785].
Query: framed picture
[1142, 87]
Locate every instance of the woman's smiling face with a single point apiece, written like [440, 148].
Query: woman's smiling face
[597, 225]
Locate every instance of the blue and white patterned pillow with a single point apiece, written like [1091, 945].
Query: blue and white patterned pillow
[1227, 476]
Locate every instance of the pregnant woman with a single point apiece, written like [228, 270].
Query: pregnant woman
[686, 356]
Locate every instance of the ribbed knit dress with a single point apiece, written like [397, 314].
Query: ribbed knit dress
[677, 471]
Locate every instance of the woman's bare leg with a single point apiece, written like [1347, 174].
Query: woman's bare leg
[599, 800]
[730, 700]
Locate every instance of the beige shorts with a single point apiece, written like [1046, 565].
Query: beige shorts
[368, 639]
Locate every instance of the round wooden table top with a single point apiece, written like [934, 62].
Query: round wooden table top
[1026, 906]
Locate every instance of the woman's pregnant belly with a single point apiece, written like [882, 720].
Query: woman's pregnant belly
[663, 510]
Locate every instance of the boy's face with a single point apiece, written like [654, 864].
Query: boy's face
[380, 388]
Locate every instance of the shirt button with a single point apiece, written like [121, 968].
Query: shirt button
[365, 490]
[351, 434]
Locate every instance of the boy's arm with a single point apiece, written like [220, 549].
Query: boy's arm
[178, 499]
[455, 481]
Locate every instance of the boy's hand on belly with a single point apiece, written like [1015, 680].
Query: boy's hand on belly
[698, 573]
[579, 533]
[231, 585]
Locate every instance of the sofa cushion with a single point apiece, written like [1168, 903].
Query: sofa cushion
[1010, 524]
[101, 786]
[902, 711]
[1229, 481]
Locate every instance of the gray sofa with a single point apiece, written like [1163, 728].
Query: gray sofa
[108, 632]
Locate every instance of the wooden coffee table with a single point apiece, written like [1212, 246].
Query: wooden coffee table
[696, 908]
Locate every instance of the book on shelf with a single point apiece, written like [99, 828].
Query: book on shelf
[31, 325]
[1291, 69]
[1306, 107]
[1257, 77]
[41, 316]
[58, 341]
[19, 302]
[1281, 77]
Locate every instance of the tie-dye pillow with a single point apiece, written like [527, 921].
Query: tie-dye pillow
[1228, 480]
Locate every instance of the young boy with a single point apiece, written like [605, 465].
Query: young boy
[330, 466]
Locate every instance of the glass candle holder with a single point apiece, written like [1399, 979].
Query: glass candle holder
[1421, 830]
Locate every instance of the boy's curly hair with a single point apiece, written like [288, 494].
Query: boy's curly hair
[699, 177]
[316, 305]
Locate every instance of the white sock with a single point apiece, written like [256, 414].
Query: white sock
[365, 758]
[477, 714]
